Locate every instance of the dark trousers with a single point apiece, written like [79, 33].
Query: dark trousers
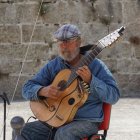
[75, 130]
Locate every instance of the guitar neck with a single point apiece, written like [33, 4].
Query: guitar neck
[87, 59]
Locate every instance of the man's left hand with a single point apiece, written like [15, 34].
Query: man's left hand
[85, 73]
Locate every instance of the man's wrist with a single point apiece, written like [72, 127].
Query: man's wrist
[41, 92]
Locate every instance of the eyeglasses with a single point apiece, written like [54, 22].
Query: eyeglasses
[67, 42]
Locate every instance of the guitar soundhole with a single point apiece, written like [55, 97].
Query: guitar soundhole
[71, 101]
[62, 85]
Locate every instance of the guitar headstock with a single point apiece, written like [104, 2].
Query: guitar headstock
[111, 38]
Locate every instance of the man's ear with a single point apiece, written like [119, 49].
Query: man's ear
[79, 41]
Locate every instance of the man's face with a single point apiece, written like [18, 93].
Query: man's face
[68, 50]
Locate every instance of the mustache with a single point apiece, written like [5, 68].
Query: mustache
[66, 52]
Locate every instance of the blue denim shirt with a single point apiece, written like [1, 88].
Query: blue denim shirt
[103, 87]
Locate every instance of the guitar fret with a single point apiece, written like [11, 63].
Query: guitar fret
[95, 52]
[90, 56]
[86, 61]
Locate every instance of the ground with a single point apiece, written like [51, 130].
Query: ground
[124, 123]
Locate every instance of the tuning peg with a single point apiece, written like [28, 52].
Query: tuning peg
[82, 82]
[87, 89]
[86, 86]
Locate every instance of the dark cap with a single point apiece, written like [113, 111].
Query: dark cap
[66, 32]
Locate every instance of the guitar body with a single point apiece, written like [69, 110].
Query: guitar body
[60, 111]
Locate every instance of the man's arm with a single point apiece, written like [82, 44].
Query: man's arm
[32, 87]
[103, 85]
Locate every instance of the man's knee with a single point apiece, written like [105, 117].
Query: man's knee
[63, 133]
[60, 132]
[35, 131]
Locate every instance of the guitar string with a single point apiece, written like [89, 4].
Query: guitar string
[24, 59]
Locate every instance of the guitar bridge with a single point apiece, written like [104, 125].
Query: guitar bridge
[46, 104]
[59, 117]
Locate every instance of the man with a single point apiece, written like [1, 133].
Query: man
[103, 88]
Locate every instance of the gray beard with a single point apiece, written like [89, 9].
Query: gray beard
[69, 57]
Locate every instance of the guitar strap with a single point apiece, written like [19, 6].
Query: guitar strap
[86, 48]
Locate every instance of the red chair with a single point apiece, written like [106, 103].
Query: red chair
[104, 125]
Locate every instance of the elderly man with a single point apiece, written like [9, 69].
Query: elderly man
[103, 88]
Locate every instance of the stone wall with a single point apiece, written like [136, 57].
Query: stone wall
[26, 28]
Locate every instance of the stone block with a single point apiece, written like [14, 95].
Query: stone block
[112, 65]
[6, 1]
[32, 67]
[17, 52]
[132, 31]
[38, 52]
[124, 50]
[122, 80]
[92, 32]
[12, 51]
[33, 34]
[129, 85]
[128, 65]
[18, 1]
[2, 12]
[27, 12]
[8, 66]
[134, 83]
[108, 53]
[41, 33]
[68, 12]
[14, 66]
[33, 1]
[8, 84]
[8, 13]
[137, 52]
[12, 58]
[131, 11]
[10, 34]
[109, 11]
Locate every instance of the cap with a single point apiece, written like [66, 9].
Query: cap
[66, 32]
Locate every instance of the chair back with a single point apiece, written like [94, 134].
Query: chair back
[107, 113]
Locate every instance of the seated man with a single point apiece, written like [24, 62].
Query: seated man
[103, 88]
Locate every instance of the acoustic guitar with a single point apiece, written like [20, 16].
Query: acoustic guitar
[74, 92]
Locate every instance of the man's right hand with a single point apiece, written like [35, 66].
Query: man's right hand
[50, 92]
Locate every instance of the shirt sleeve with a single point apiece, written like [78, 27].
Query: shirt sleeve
[32, 86]
[103, 85]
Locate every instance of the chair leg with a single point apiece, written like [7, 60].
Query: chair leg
[104, 135]
[95, 137]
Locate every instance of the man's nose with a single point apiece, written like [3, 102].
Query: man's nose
[64, 44]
